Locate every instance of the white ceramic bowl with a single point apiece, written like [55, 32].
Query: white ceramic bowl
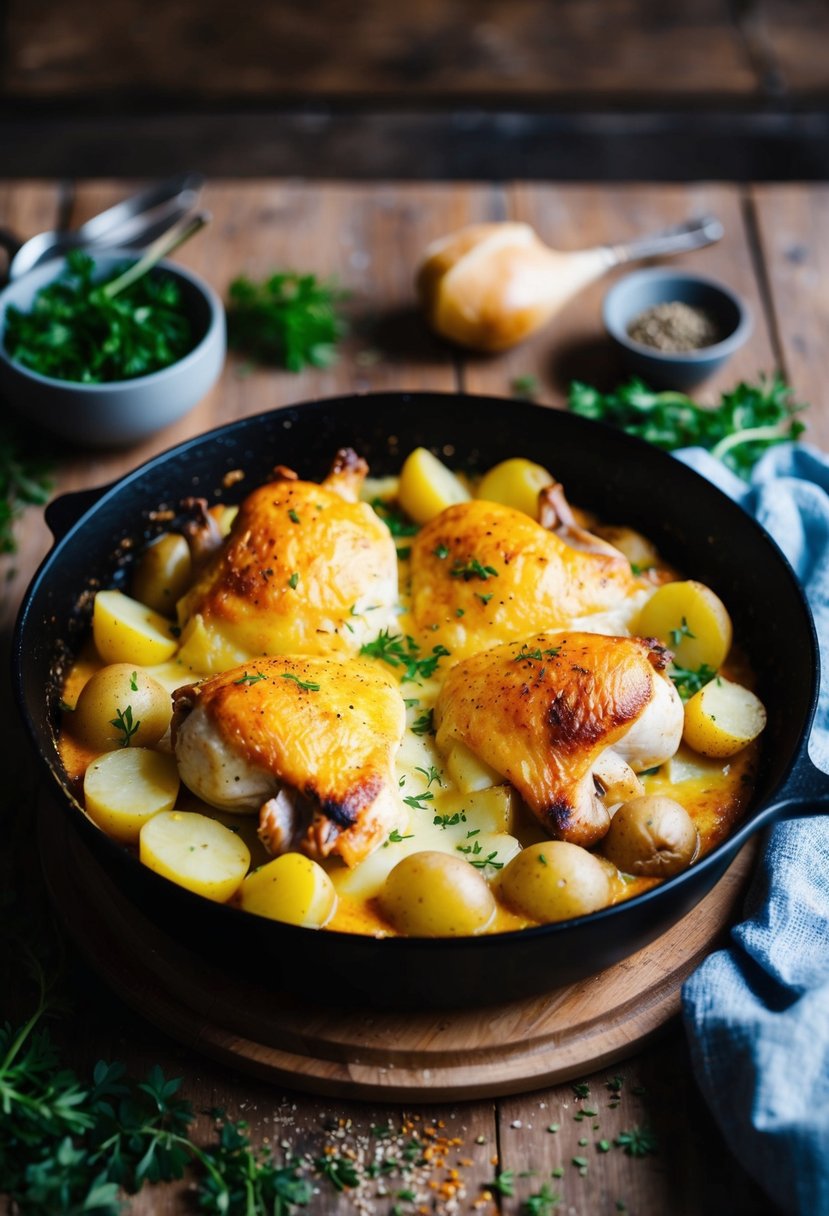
[124, 411]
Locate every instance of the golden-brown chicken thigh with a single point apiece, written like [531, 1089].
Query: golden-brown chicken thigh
[309, 742]
[483, 573]
[552, 715]
[306, 569]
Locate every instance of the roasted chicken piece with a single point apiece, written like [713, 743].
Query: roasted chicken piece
[306, 569]
[566, 718]
[310, 743]
[483, 573]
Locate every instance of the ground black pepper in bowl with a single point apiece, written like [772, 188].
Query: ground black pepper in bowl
[675, 327]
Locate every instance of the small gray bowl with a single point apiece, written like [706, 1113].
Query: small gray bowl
[124, 411]
[641, 290]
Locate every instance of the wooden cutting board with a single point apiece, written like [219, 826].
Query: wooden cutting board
[434, 1056]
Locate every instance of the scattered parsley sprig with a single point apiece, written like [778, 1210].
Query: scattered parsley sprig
[404, 652]
[738, 430]
[290, 320]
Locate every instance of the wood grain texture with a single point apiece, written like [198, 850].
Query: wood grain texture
[794, 34]
[341, 48]
[793, 226]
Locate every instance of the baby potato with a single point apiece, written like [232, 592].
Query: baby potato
[554, 880]
[121, 692]
[196, 852]
[652, 836]
[515, 483]
[690, 619]
[427, 487]
[291, 888]
[722, 718]
[125, 631]
[433, 894]
[124, 789]
[163, 573]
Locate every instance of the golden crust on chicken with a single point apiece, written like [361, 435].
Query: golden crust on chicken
[309, 742]
[563, 716]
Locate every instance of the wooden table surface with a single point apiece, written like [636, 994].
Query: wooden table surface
[369, 238]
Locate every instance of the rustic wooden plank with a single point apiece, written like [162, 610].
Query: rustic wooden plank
[458, 47]
[687, 1172]
[26, 208]
[574, 345]
[794, 36]
[793, 226]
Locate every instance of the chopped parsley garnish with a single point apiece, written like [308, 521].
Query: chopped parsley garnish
[441, 552]
[449, 821]
[416, 801]
[134, 681]
[247, 679]
[425, 724]
[431, 774]
[581, 1089]
[411, 702]
[395, 837]
[684, 631]
[525, 388]
[292, 516]
[689, 681]
[484, 598]
[293, 580]
[503, 1183]
[638, 1142]
[290, 320]
[404, 553]
[397, 651]
[473, 852]
[309, 685]
[396, 522]
[472, 569]
[124, 723]
[537, 655]
[459, 612]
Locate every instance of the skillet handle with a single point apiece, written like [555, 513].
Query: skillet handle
[805, 792]
[64, 512]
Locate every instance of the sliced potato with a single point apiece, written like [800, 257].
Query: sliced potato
[119, 706]
[125, 789]
[291, 888]
[196, 852]
[722, 718]
[432, 894]
[554, 880]
[691, 620]
[427, 487]
[488, 852]
[490, 810]
[163, 573]
[468, 772]
[126, 631]
[515, 483]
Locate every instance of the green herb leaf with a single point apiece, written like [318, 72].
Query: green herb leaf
[247, 679]
[638, 1142]
[689, 680]
[289, 320]
[396, 522]
[397, 651]
[745, 423]
[472, 569]
[124, 723]
[309, 685]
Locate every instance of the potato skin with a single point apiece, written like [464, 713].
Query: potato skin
[555, 880]
[163, 573]
[115, 688]
[433, 894]
[651, 836]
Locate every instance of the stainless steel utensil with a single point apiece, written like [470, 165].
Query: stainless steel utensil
[133, 223]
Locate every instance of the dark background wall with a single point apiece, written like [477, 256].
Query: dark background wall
[659, 89]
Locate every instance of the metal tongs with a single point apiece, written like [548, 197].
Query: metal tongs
[135, 223]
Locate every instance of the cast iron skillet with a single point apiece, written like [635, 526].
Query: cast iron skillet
[625, 481]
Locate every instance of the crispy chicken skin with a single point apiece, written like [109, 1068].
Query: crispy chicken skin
[483, 573]
[553, 712]
[298, 574]
[310, 742]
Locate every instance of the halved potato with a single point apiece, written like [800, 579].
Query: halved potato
[427, 487]
[291, 888]
[126, 631]
[196, 852]
[490, 810]
[691, 620]
[468, 772]
[163, 573]
[123, 790]
[515, 483]
[723, 718]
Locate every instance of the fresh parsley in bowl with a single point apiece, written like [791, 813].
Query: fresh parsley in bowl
[103, 355]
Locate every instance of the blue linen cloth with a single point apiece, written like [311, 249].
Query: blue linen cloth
[757, 1013]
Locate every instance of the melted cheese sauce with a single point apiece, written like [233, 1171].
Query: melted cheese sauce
[488, 826]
